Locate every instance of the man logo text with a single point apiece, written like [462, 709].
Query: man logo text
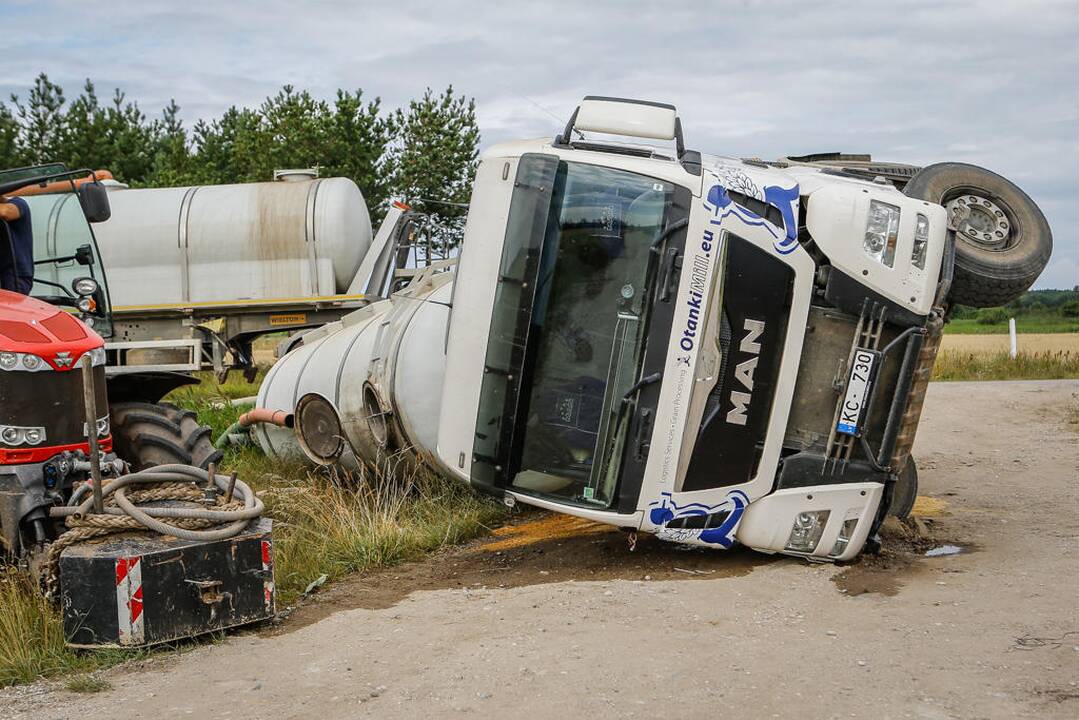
[750, 345]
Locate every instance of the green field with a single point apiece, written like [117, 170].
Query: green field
[1023, 324]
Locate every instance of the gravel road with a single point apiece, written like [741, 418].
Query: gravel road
[559, 619]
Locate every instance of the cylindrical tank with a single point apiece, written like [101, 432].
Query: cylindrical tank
[377, 373]
[303, 238]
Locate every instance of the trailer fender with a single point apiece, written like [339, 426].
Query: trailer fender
[147, 387]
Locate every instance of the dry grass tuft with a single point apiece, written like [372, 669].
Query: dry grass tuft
[1048, 365]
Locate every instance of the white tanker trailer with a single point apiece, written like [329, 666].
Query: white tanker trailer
[197, 272]
[709, 349]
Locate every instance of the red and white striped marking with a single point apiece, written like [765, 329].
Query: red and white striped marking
[129, 615]
[267, 569]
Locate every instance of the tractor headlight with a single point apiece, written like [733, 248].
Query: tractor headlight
[87, 304]
[8, 360]
[807, 530]
[97, 356]
[921, 242]
[84, 286]
[881, 232]
[31, 362]
[10, 435]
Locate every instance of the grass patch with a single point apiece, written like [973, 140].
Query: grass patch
[325, 523]
[1059, 365]
[87, 684]
[1023, 324]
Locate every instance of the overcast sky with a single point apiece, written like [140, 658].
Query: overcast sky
[993, 83]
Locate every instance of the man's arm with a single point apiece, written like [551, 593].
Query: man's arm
[9, 211]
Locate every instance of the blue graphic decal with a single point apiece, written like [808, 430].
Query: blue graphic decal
[785, 200]
[665, 510]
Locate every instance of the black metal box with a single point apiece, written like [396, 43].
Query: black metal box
[134, 590]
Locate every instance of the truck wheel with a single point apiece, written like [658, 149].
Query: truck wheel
[145, 434]
[905, 490]
[1002, 242]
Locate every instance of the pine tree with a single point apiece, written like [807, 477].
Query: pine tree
[41, 121]
[11, 154]
[434, 157]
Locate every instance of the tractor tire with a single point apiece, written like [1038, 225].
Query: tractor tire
[905, 491]
[147, 434]
[1005, 244]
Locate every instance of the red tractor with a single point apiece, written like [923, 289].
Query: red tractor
[53, 312]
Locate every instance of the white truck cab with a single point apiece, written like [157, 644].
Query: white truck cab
[708, 349]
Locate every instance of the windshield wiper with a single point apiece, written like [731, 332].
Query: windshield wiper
[667, 232]
[643, 382]
[654, 248]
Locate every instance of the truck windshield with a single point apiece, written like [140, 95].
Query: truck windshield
[577, 298]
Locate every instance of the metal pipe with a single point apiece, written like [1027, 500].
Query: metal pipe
[89, 397]
[280, 418]
[902, 397]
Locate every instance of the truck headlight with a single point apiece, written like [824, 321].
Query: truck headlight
[881, 232]
[807, 530]
[921, 242]
[846, 532]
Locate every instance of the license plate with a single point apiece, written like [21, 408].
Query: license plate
[861, 375]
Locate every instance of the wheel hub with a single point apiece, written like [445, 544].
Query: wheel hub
[982, 221]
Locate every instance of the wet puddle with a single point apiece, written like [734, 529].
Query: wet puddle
[909, 548]
[543, 549]
[945, 550]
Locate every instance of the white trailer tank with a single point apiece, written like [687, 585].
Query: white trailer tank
[368, 385]
[300, 238]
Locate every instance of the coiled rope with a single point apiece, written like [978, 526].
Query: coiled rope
[126, 509]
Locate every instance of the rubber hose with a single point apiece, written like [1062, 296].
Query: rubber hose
[253, 506]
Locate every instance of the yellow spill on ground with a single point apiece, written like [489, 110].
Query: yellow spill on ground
[546, 528]
[929, 507]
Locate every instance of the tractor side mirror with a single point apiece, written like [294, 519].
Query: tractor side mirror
[94, 199]
[84, 255]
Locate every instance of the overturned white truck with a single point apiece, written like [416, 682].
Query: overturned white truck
[709, 349]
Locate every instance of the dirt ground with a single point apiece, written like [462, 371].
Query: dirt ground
[558, 618]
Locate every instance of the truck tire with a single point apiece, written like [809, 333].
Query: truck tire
[1003, 246]
[905, 490]
[147, 434]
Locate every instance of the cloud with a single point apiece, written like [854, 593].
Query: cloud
[920, 81]
[1061, 274]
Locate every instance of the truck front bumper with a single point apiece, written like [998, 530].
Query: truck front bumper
[767, 523]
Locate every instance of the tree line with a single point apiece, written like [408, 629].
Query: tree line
[422, 153]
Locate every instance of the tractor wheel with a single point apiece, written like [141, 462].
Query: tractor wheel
[145, 434]
[1002, 239]
[905, 490]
